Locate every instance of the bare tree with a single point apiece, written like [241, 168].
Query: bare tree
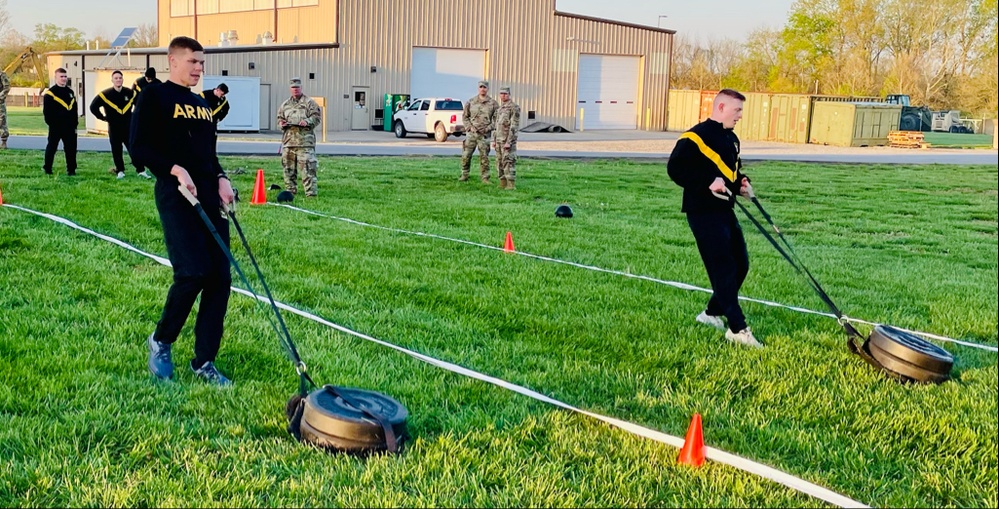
[145, 37]
[4, 18]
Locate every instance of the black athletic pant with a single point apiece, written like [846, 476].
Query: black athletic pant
[67, 135]
[199, 267]
[118, 136]
[723, 250]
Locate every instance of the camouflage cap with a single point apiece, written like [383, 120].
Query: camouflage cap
[296, 82]
[484, 84]
[505, 90]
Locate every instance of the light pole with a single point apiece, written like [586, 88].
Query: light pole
[659, 22]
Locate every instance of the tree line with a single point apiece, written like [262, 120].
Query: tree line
[943, 53]
[49, 37]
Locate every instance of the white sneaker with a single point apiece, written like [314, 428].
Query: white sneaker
[743, 337]
[711, 320]
[145, 175]
[121, 175]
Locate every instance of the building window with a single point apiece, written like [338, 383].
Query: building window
[243, 5]
[296, 3]
[208, 7]
[181, 8]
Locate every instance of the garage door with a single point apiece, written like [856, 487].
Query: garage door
[440, 72]
[607, 91]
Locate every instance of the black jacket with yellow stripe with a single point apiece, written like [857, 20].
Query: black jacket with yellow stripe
[59, 108]
[114, 107]
[219, 107]
[706, 152]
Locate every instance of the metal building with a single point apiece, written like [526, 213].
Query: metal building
[565, 69]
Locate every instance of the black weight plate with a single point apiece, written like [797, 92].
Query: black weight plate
[912, 349]
[906, 369]
[331, 415]
[312, 436]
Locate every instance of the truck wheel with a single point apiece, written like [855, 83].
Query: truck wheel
[440, 134]
[399, 129]
[910, 122]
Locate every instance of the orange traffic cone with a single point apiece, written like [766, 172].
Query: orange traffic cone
[508, 245]
[259, 194]
[1, 199]
[692, 452]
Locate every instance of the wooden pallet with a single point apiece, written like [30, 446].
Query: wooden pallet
[907, 139]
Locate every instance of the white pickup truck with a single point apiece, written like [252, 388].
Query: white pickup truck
[437, 117]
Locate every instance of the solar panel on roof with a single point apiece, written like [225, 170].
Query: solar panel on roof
[124, 37]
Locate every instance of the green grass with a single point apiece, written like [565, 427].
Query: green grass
[951, 140]
[85, 425]
[26, 121]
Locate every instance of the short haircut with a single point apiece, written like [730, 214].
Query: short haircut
[150, 72]
[223, 87]
[183, 42]
[728, 92]
[115, 72]
[60, 71]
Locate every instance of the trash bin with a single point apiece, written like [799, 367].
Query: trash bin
[392, 103]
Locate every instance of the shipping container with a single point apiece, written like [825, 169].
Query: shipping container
[790, 118]
[707, 102]
[755, 123]
[684, 109]
[853, 124]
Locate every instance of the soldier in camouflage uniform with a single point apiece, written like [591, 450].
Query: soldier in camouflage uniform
[298, 117]
[4, 90]
[478, 118]
[505, 140]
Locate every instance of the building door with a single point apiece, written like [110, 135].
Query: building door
[450, 73]
[266, 114]
[607, 92]
[360, 119]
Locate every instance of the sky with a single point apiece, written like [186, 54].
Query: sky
[711, 20]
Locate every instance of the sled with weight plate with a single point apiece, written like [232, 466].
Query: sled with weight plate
[336, 419]
[901, 355]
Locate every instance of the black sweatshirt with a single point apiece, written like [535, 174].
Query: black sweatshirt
[219, 107]
[59, 108]
[694, 171]
[172, 125]
[141, 84]
[114, 107]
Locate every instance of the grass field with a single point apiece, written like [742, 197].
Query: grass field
[26, 121]
[86, 425]
[951, 140]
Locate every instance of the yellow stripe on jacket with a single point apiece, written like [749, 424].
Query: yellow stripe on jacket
[710, 154]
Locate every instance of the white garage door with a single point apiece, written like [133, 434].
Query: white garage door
[607, 91]
[439, 72]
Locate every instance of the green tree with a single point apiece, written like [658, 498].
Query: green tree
[49, 37]
[806, 52]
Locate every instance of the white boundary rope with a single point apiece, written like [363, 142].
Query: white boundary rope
[711, 453]
[674, 284]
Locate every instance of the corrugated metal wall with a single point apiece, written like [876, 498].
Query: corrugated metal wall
[528, 47]
[684, 109]
[310, 24]
[315, 66]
